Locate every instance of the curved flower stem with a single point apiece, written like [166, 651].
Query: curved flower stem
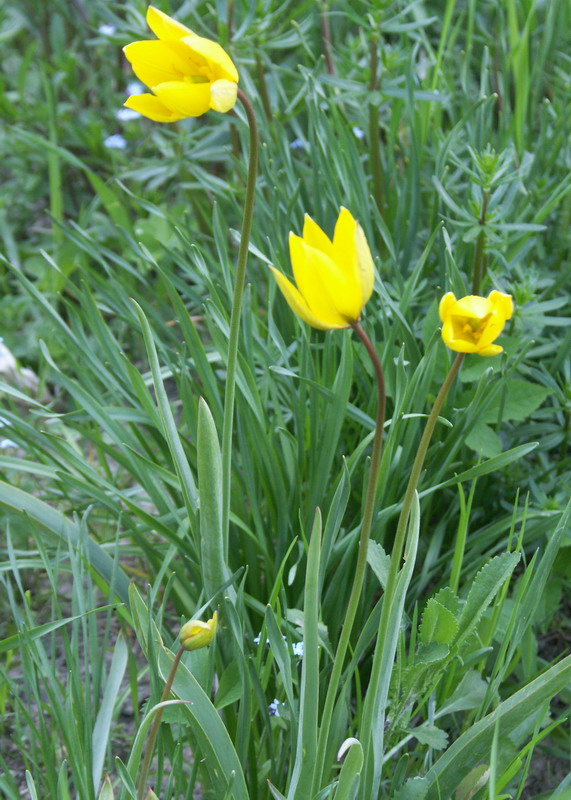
[235, 318]
[361, 566]
[369, 712]
[142, 782]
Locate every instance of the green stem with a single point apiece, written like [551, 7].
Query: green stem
[326, 36]
[480, 244]
[361, 566]
[370, 711]
[374, 131]
[235, 318]
[142, 783]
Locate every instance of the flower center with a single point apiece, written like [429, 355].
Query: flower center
[471, 328]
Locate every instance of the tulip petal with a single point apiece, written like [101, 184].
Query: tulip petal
[491, 350]
[166, 27]
[212, 56]
[445, 305]
[315, 237]
[365, 264]
[503, 302]
[473, 306]
[157, 62]
[223, 95]
[322, 285]
[151, 107]
[492, 330]
[353, 256]
[188, 99]
[458, 345]
[297, 304]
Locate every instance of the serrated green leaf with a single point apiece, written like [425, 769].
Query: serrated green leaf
[521, 399]
[430, 735]
[485, 586]
[438, 624]
[473, 746]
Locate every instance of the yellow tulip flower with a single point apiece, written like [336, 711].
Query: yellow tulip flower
[195, 634]
[471, 324]
[187, 74]
[334, 277]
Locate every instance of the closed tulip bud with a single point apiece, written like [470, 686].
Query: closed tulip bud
[196, 634]
[471, 324]
[334, 277]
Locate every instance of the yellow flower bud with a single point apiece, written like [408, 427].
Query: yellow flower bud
[187, 74]
[471, 324]
[195, 634]
[334, 277]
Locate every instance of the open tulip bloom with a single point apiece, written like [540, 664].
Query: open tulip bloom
[471, 324]
[187, 74]
[334, 277]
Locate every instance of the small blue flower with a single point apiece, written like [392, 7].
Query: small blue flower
[126, 114]
[107, 30]
[5, 444]
[134, 87]
[273, 709]
[297, 144]
[115, 142]
[297, 648]
[359, 132]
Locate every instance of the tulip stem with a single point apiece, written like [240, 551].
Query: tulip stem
[361, 566]
[374, 132]
[142, 782]
[235, 318]
[371, 708]
[326, 36]
[477, 273]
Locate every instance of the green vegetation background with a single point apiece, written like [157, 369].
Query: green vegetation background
[470, 97]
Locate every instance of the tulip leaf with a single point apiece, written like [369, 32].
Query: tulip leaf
[23, 504]
[187, 484]
[230, 686]
[350, 774]
[213, 740]
[209, 471]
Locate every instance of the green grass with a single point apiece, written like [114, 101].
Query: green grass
[115, 474]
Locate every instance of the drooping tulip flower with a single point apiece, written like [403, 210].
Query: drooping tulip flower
[187, 74]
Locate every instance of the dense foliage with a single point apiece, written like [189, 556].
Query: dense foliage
[443, 127]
